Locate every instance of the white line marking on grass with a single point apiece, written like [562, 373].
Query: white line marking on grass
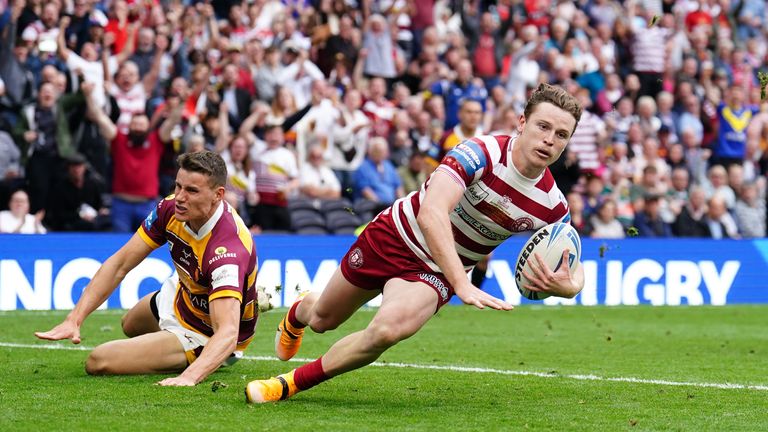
[578, 377]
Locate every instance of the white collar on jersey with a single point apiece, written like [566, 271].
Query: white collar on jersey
[519, 176]
[208, 226]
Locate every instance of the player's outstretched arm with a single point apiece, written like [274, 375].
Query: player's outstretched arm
[225, 319]
[104, 282]
[442, 197]
[560, 283]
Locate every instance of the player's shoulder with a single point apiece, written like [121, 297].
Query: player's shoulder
[162, 212]
[231, 231]
[230, 241]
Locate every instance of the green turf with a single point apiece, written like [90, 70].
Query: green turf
[48, 389]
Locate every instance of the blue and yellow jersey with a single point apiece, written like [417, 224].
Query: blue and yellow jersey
[218, 261]
[732, 133]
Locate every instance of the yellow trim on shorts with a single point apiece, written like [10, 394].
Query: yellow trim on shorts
[191, 357]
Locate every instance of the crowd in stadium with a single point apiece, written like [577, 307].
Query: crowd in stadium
[333, 107]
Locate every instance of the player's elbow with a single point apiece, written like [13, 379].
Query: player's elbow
[426, 216]
[228, 337]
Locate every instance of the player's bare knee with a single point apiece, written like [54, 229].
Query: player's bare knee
[127, 325]
[321, 323]
[381, 336]
[96, 363]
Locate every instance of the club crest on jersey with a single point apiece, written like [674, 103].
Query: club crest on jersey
[220, 250]
[356, 258]
[520, 224]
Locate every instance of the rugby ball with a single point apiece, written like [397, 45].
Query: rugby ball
[549, 242]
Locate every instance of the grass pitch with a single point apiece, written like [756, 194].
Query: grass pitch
[547, 368]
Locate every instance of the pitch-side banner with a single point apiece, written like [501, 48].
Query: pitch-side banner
[50, 271]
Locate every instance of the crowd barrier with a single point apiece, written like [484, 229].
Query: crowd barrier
[46, 272]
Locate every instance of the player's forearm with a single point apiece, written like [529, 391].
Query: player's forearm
[218, 349]
[98, 290]
[436, 228]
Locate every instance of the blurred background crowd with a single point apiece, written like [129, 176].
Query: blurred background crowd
[328, 110]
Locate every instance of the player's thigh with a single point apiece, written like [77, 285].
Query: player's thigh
[405, 308]
[139, 319]
[338, 301]
[157, 352]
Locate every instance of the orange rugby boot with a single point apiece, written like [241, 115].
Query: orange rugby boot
[288, 337]
[273, 389]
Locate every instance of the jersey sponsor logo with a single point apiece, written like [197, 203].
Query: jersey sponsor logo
[469, 156]
[481, 228]
[475, 193]
[185, 257]
[356, 258]
[435, 282]
[223, 255]
[220, 250]
[226, 275]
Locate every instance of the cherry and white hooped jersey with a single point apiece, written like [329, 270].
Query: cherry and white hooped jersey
[498, 201]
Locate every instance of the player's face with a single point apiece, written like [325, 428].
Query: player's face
[543, 137]
[196, 200]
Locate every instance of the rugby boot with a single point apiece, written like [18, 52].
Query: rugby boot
[273, 389]
[288, 337]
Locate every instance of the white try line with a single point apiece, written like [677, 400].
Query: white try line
[463, 369]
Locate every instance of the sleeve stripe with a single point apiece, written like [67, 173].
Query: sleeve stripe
[453, 175]
[226, 293]
[151, 243]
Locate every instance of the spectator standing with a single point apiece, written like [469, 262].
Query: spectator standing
[18, 82]
[588, 138]
[734, 117]
[136, 155]
[277, 178]
[237, 99]
[454, 92]
[350, 139]
[649, 48]
[241, 176]
[485, 40]
[44, 137]
[378, 50]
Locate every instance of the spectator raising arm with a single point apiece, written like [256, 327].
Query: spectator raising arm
[107, 128]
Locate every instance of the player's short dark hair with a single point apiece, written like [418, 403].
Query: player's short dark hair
[555, 95]
[208, 163]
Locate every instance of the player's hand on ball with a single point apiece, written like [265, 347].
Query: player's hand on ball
[65, 330]
[474, 296]
[178, 381]
[559, 283]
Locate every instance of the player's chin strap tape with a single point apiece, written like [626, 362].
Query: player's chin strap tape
[285, 387]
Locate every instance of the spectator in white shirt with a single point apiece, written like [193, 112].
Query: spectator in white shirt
[316, 179]
[18, 220]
